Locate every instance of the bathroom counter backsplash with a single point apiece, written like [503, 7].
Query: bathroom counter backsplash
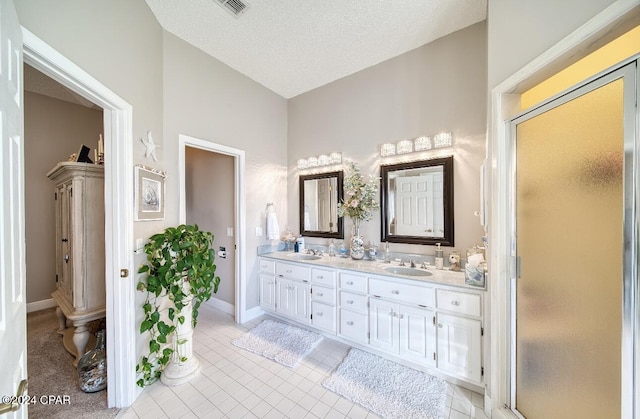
[377, 267]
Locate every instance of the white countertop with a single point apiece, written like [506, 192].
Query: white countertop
[443, 277]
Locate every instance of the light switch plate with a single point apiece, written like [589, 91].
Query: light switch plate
[229, 231]
[258, 231]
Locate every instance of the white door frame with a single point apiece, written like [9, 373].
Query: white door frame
[119, 282]
[239, 210]
[504, 102]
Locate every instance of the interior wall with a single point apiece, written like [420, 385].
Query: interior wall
[209, 184]
[207, 99]
[519, 31]
[441, 86]
[53, 129]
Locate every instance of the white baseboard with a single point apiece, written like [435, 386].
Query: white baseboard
[40, 305]
[221, 305]
[252, 314]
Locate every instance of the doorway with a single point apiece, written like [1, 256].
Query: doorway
[118, 174]
[572, 274]
[231, 161]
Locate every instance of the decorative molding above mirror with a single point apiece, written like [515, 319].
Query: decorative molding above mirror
[417, 202]
[319, 197]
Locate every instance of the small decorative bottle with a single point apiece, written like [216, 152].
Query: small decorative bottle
[332, 249]
[92, 367]
[439, 259]
[342, 251]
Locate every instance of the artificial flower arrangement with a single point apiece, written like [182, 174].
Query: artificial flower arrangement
[359, 196]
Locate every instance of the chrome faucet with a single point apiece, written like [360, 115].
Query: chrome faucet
[412, 263]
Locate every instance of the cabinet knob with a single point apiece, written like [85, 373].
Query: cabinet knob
[349, 283]
[350, 302]
[320, 294]
[319, 276]
[396, 292]
[289, 271]
[401, 316]
[65, 240]
[455, 303]
[350, 323]
[440, 325]
[66, 258]
[319, 314]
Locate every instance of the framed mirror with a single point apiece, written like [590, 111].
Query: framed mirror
[416, 202]
[319, 197]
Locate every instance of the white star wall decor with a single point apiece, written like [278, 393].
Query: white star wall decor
[151, 146]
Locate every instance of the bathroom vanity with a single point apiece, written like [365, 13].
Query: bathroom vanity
[424, 318]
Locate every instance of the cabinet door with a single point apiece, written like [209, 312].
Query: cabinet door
[268, 292]
[383, 325]
[283, 296]
[459, 341]
[417, 334]
[300, 293]
[64, 237]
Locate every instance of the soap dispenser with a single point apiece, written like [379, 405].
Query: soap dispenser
[439, 260]
[300, 242]
[332, 248]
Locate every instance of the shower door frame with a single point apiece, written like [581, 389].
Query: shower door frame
[629, 70]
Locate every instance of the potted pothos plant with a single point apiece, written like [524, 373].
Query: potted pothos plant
[180, 276]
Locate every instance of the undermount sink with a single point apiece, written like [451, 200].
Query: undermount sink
[304, 256]
[402, 270]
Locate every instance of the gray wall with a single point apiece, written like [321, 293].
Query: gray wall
[206, 99]
[53, 129]
[119, 43]
[209, 196]
[440, 86]
[519, 31]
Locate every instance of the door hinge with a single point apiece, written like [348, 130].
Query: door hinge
[71, 192]
[56, 278]
[55, 196]
[481, 371]
[311, 316]
[482, 331]
[434, 356]
[434, 320]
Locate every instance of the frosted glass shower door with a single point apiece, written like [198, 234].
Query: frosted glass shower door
[569, 240]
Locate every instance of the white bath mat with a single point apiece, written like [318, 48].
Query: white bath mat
[280, 342]
[388, 389]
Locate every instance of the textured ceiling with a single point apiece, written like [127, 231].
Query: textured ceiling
[293, 46]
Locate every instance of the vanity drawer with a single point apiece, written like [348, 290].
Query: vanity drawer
[267, 266]
[288, 270]
[352, 301]
[407, 293]
[354, 326]
[323, 294]
[323, 277]
[352, 282]
[459, 302]
[323, 316]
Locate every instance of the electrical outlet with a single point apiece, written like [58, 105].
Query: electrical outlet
[258, 231]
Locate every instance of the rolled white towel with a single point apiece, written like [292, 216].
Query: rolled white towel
[475, 260]
[273, 229]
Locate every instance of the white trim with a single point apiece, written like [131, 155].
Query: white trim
[499, 153]
[40, 305]
[240, 210]
[252, 313]
[221, 305]
[118, 125]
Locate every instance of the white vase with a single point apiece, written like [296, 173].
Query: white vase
[357, 241]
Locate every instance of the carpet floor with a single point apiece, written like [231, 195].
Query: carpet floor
[51, 373]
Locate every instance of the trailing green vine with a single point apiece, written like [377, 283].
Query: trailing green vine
[180, 271]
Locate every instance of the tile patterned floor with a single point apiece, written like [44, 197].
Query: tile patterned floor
[238, 384]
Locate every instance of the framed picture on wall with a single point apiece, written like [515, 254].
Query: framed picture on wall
[149, 197]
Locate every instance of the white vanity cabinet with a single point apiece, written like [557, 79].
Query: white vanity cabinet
[399, 328]
[460, 334]
[353, 306]
[429, 324]
[293, 290]
[267, 284]
[323, 299]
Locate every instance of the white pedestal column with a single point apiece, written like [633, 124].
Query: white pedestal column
[177, 371]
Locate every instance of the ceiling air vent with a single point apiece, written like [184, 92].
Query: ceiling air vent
[235, 7]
